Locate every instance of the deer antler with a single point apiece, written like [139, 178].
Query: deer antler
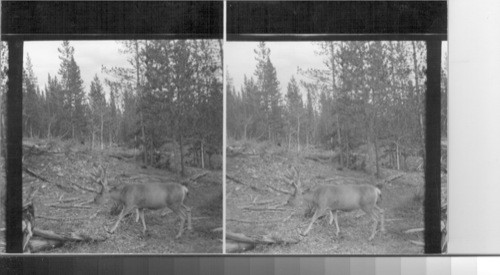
[99, 176]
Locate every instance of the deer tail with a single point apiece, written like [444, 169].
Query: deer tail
[185, 192]
[379, 194]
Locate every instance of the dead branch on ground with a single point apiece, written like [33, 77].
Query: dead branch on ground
[255, 188]
[84, 188]
[69, 206]
[237, 241]
[286, 192]
[33, 174]
[264, 209]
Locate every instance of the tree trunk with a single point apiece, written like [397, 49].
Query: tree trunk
[419, 100]
[397, 156]
[137, 88]
[422, 135]
[182, 155]
[48, 129]
[290, 139]
[307, 140]
[110, 138]
[102, 132]
[334, 88]
[1, 131]
[377, 174]
[339, 139]
[143, 132]
[202, 156]
[92, 140]
[298, 134]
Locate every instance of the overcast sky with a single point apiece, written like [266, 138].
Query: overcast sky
[285, 56]
[89, 55]
[239, 59]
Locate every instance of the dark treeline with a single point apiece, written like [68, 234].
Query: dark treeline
[368, 97]
[170, 94]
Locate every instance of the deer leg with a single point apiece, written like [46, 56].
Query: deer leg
[382, 218]
[375, 222]
[188, 212]
[143, 222]
[137, 215]
[182, 216]
[316, 215]
[125, 210]
[334, 217]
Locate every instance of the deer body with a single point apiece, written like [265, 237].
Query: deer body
[333, 198]
[153, 196]
[140, 196]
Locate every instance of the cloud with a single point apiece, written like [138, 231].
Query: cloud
[285, 56]
[89, 55]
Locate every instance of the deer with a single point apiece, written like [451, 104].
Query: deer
[141, 196]
[348, 197]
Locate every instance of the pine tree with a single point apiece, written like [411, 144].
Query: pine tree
[54, 99]
[269, 94]
[31, 112]
[253, 119]
[295, 110]
[97, 104]
[72, 84]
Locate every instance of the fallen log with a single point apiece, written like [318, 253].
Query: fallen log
[122, 156]
[194, 178]
[258, 239]
[37, 245]
[261, 221]
[36, 239]
[264, 209]
[286, 192]
[71, 236]
[392, 178]
[418, 243]
[238, 247]
[255, 188]
[69, 206]
[414, 230]
[33, 174]
[316, 159]
[84, 188]
[61, 218]
[47, 240]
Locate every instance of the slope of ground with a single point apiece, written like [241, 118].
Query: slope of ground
[61, 206]
[251, 208]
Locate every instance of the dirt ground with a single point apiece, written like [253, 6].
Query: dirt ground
[401, 200]
[63, 208]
